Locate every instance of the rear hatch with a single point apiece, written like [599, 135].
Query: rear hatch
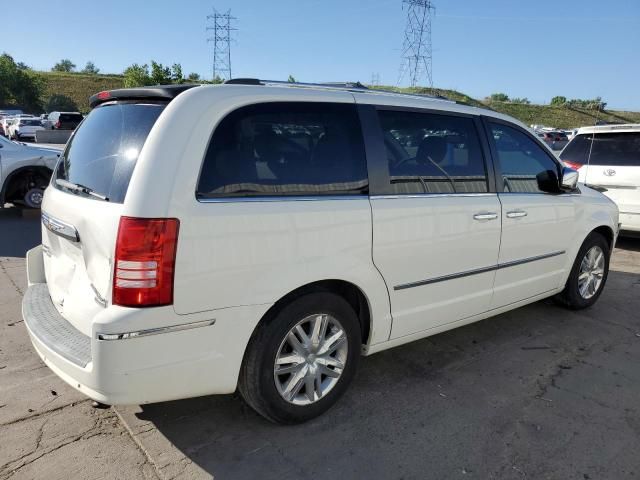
[610, 160]
[82, 207]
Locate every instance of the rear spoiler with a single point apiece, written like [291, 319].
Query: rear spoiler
[159, 92]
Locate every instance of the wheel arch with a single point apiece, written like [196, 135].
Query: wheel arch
[15, 174]
[350, 292]
[606, 232]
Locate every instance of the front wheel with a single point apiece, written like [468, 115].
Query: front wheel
[588, 274]
[300, 361]
[33, 197]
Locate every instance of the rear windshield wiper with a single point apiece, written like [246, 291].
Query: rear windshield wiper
[76, 187]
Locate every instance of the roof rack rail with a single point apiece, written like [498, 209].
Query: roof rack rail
[256, 81]
[349, 86]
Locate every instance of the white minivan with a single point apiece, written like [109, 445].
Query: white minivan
[608, 157]
[262, 237]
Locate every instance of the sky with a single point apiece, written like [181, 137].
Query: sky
[579, 49]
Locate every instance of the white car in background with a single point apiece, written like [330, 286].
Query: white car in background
[25, 127]
[5, 123]
[608, 156]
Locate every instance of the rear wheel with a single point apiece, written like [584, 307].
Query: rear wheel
[588, 274]
[301, 361]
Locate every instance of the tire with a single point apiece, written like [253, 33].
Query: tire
[266, 391]
[574, 296]
[33, 198]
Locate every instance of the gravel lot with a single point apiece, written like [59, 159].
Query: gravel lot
[539, 392]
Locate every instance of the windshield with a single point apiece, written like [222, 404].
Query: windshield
[616, 149]
[102, 154]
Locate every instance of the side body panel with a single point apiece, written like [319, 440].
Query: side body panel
[242, 252]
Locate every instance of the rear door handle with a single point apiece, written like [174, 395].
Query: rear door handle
[516, 214]
[485, 216]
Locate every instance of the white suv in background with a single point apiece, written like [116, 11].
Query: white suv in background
[260, 236]
[608, 156]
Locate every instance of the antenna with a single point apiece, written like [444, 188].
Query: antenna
[417, 48]
[375, 79]
[593, 139]
[221, 26]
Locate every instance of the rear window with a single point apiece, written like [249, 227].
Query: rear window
[620, 149]
[70, 117]
[31, 123]
[103, 152]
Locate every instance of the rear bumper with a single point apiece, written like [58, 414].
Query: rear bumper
[177, 356]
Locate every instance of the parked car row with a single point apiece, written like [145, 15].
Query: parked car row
[555, 139]
[21, 126]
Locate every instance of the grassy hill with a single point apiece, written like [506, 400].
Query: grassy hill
[562, 117]
[553, 116]
[80, 87]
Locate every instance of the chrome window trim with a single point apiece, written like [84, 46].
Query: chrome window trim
[60, 228]
[477, 271]
[430, 195]
[154, 331]
[281, 198]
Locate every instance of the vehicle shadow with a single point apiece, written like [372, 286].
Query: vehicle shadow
[629, 243]
[479, 399]
[19, 231]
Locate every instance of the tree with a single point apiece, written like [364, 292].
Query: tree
[176, 73]
[291, 79]
[217, 80]
[136, 76]
[60, 103]
[160, 75]
[193, 77]
[524, 101]
[139, 75]
[499, 97]
[559, 100]
[23, 66]
[64, 65]
[18, 86]
[90, 69]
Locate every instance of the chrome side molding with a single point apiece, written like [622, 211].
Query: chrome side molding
[155, 331]
[60, 228]
[477, 271]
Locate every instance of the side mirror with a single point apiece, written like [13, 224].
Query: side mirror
[569, 180]
[548, 181]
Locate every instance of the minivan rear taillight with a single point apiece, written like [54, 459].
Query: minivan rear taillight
[145, 261]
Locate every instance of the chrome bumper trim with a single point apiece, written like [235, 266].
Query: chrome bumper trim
[154, 331]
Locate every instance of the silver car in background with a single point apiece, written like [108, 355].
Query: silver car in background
[24, 172]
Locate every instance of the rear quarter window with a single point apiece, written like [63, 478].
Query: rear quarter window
[66, 117]
[286, 149]
[103, 152]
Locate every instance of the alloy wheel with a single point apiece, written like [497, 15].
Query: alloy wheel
[310, 359]
[591, 272]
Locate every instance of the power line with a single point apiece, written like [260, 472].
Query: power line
[221, 26]
[417, 48]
